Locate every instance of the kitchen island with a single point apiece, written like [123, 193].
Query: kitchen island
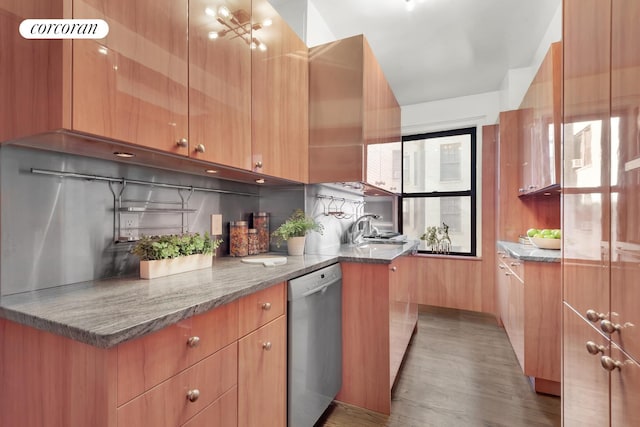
[206, 347]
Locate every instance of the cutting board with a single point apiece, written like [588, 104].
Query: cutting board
[266, 260]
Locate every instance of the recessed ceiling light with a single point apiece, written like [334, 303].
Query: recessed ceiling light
[260, 181]
[123, 154]
[211, 171]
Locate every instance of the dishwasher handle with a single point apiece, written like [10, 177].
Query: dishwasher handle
[320, 288]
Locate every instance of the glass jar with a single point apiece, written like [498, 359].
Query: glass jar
[261, 224]
[238, 238]
[254, 248]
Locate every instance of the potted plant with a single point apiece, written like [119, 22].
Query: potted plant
[294, 230]
[172, 254]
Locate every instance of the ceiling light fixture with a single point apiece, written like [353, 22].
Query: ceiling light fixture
[260, 181]
[237, 25]
[211, 171]
[124, 155]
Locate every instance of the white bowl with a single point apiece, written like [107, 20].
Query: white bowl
[544, 243]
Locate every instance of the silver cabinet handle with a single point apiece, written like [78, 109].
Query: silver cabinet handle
[514, 264]
[266, 306]
[609, 327]
[193, 341]
[610, 364]
[394, 268]
[182, 142]
[594, 348]
[193, 395]
[200, 148]
[258, 165]
[267, 345]
[594, 316]
[501, 267]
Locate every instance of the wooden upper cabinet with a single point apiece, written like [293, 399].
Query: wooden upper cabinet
[350, 106]
[34, 77]
[220, 81]
[280, 96]
[540, 127]
[132, 86]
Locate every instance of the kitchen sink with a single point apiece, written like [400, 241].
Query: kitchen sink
[379, 245]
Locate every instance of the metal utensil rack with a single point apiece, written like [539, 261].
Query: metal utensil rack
[125, 209]
[335, 210]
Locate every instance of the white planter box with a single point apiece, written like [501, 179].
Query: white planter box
[167, 267]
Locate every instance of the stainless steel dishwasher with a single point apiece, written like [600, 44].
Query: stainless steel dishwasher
[314, 344]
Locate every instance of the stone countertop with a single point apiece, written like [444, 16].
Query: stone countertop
[104, 313]
[529, 252]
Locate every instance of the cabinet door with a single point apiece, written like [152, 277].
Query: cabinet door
[585, 385]
[586, 181]
[515, 316]
[280, 97]
[625, 387]
[262, 376]
[625, 173]
[502, 285]
[402, 313]
[542, 324]
[220, 81]
[132, 85]
[34, 85]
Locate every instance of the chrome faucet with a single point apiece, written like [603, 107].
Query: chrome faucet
[360, 228]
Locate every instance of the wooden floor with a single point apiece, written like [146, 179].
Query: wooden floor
[460, 370]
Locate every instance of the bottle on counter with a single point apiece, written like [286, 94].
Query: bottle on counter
[261, 224]
[238, 238]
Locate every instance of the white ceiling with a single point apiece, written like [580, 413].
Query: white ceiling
[443, 48]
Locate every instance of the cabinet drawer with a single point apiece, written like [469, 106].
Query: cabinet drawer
[168, 403]
[147, 361]
[261, 307]
[262, 376]
[516, 266]
[221, 413]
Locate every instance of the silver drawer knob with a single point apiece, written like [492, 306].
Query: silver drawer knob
[193, 395]
[200, 148]
[193, 342]
[394, 268]
[609, 327]
[182, 142]
[610, 364]
[266, 306]
[594, 348]
[258, 165]
[594, 316]
[266, 345]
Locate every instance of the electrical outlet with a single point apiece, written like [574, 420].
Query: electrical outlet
[129, 223]
[216, 225]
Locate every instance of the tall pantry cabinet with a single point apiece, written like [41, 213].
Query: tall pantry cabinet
[601, 201]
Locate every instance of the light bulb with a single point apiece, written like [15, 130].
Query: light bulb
[224, 11]
[262, 47]
[267, 22]
[209, 11]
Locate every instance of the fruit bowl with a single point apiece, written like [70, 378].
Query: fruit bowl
[544, 243]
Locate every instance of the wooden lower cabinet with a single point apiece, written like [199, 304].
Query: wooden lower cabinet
[585, 389]
[262, 376]
[529, 299]
[181, 397]
[379, 315]
[223, 379]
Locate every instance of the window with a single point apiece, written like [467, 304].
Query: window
[439, 186]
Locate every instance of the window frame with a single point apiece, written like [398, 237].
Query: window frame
[472, 192]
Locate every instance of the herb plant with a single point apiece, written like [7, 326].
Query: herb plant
[298, 225]
[150, 248]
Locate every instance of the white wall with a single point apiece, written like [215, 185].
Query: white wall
[318, 31]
